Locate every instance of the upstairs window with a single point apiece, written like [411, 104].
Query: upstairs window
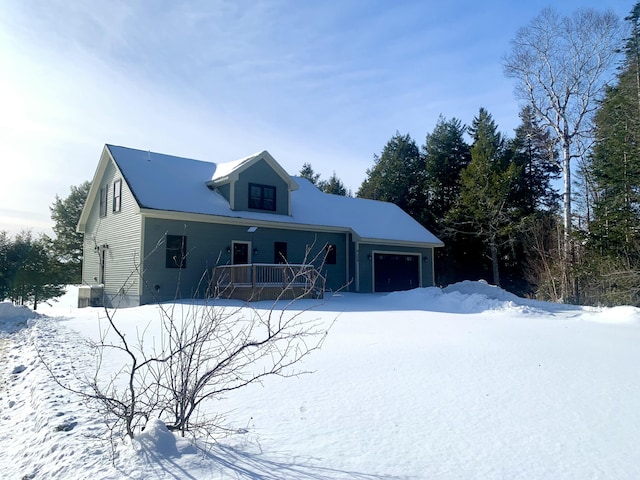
[176, 255]
[103, 200]
[262, 197]
[117, 195]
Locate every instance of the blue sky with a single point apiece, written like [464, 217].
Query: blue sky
[325, 82]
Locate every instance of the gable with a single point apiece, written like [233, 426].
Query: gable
[105, 166]
[254, 183]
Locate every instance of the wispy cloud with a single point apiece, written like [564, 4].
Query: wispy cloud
[321, 82]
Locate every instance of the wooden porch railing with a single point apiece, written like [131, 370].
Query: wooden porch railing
[267, 281]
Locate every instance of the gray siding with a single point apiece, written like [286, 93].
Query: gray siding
[262, 174]
[121, 231]
[207, 245]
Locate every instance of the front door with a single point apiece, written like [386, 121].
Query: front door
[240, 253]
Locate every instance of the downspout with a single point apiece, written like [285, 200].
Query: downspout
[143, 219]
[357, 266]
[346, 249]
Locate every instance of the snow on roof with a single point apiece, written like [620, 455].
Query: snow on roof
[166, 182]
[223, 170]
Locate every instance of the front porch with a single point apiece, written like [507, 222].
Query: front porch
[266, 281]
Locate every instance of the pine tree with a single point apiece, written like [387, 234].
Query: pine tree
[446, 153]
[67, 246]
[34, 273]
[309, 173]
[397, 176]
[6, 271]
[483, 208]
[334, 186]
[612, 264]
[533, 150]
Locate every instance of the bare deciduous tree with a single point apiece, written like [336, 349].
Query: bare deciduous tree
[560, 64]
[200, 352]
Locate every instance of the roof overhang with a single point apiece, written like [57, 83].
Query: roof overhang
[105, 158]
[252, 222]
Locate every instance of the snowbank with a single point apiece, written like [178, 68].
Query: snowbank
[463, 382]
[13, 318]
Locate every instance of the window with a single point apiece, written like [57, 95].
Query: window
[330, 254]
[262, 197]
[117, 195]
[280, 252]
[103, 200]
[176, 251]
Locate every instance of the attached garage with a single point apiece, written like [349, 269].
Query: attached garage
[395, 271]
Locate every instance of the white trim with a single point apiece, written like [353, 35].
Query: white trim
[239, 221]
[238, 166]
[142, 254]
[398, 243]
[346, 256]
[247, 222]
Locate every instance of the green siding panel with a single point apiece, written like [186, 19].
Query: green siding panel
[121, 232]
[207, 245]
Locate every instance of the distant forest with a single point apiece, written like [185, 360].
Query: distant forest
[495, 200]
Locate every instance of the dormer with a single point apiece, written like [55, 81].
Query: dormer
[256, 183]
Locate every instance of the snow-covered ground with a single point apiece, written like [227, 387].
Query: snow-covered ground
[466, 382]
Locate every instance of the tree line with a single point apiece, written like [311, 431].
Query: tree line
[493, 200]
[36, 269]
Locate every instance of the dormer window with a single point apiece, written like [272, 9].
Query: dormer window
[262, 197]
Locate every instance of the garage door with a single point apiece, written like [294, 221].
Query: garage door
[394, 272]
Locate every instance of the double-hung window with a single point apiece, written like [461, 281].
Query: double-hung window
[176, 253]
[330, 254]
[117, 195]
[280, 252]
[262, 197]
[103, 200]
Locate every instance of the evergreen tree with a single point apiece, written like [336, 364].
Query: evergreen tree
[333, 186]
[533, 150]
[34, 273]
[446, 153]
[6, 271]
[307, 172]
[67, 246]
[483, 208]
[612, 264]
[397, 176]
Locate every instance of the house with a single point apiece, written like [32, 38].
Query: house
[157, 227]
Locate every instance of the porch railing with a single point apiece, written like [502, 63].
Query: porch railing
[304, 278]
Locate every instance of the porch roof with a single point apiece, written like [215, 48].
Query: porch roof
[176, 184]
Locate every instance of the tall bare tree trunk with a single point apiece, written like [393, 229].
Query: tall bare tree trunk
[494, 263]
[560, 64]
